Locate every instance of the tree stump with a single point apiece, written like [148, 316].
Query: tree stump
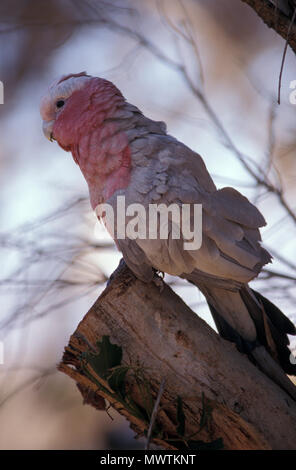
[136, 336]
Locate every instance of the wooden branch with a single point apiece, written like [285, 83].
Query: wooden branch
[211, 391]
[275, 19]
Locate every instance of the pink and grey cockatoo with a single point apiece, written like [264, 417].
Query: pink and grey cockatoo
[122, 152]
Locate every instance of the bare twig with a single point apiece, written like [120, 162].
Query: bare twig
[265, 10]
[248, 163]
[154, 413]
[284, 56]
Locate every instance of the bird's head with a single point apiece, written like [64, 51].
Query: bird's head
[78, 112]
[74, 104]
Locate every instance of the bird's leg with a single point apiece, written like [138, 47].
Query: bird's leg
[157, 278]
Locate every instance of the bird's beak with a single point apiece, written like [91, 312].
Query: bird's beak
[47, 127]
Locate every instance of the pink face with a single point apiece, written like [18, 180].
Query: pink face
[74, 114]
[54, 102]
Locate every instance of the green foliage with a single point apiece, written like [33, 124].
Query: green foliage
[206, 415]
[106, 363]
[117, 380]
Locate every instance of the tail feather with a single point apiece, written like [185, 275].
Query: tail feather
[268, 348]
[230, 334]
[281, 327]
[280, 321]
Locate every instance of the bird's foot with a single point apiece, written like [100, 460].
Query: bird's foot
[158, 280]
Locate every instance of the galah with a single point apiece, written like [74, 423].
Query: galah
[121, 152]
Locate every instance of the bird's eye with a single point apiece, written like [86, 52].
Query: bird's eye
[60, 103]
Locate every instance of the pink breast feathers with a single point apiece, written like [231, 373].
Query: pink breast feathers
[87, 127]
[120, 178]
[105, 161]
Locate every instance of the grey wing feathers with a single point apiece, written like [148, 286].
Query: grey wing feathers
[166, 171]
[232, 205]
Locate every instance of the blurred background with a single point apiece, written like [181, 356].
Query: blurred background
[210, 69]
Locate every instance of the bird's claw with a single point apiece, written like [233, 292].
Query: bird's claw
[158, 280]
